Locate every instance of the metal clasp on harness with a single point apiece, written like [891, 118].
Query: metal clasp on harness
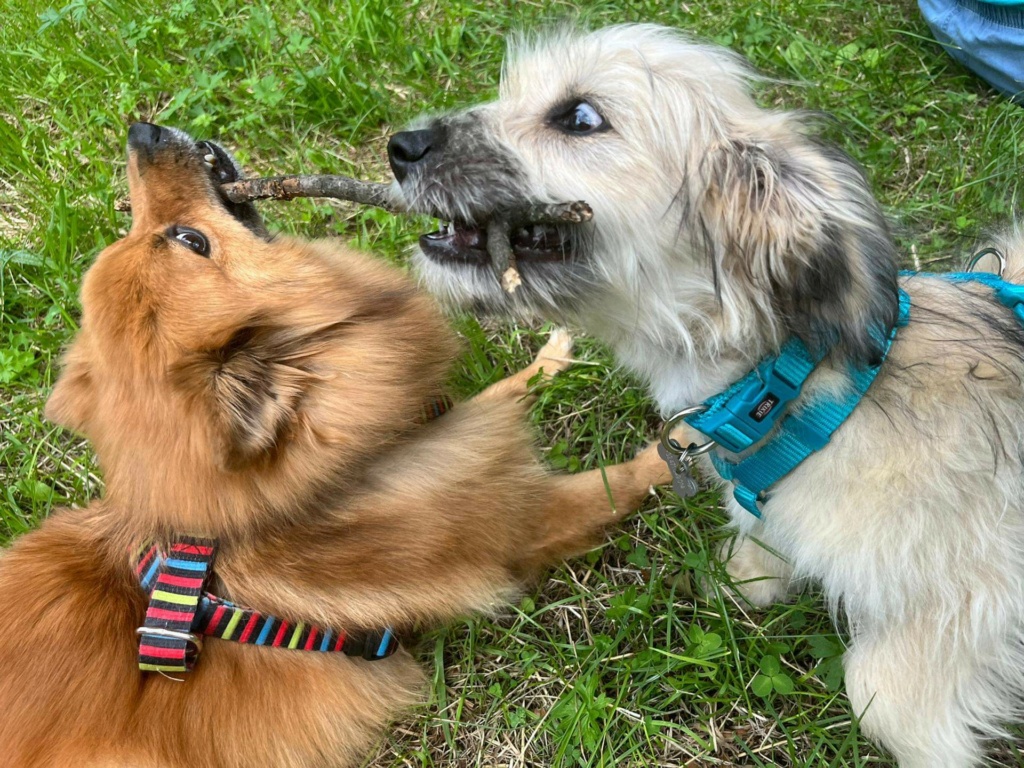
[678, 459]
[195, 640]
[988, 252]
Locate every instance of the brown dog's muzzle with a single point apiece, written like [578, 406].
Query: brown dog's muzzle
[149, 143]
[169, 173]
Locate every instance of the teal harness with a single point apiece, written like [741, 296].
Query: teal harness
[754, 413]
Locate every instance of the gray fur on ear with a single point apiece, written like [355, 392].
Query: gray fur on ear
[795, 219]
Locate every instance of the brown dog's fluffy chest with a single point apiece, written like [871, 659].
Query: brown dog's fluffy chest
[448, 534]
[68, 667]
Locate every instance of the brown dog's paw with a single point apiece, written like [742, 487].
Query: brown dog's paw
[650, 466]
[553, 357]
[656, 466]
[556, 354]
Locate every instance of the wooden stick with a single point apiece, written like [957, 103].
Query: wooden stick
[290, 187]
[503, 258]
[499, 233]
[575, 212]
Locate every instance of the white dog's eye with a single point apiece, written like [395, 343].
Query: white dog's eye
[192, 239]
[580, 118]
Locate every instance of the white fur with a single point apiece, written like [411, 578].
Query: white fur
[912, 518]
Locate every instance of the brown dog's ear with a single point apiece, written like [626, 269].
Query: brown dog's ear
[252, 387]
[71, 403]
[794, 219]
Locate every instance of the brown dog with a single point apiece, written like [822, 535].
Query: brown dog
[268, 393]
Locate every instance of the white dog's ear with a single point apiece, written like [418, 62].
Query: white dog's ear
[794, 221]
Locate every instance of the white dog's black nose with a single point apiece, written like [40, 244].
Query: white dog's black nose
[407, 148]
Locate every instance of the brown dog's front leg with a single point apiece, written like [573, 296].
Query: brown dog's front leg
[553, 357]
[581, 506]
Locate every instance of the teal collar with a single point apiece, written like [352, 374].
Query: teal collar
[753, 415]
[754, 411]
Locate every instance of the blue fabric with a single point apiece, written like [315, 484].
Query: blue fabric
[384, 640]
[748, 410]
[986, 37]
[801, 433]
[809, 428]
[186, 565]
[1009, 295]
[150, 577]
[266, 630]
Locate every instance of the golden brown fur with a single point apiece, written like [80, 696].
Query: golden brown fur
[268, 396]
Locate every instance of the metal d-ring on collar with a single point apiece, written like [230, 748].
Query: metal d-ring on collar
[754, 411]
[988, 252]
[672, 445]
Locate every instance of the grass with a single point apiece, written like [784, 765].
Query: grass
[611, 661]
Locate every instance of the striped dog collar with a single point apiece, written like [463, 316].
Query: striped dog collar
[181, 613]
[435, 408]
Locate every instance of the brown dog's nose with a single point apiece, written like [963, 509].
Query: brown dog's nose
[407, 148]
[143, 136]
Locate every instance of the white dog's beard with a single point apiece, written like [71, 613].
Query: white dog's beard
[552, 291]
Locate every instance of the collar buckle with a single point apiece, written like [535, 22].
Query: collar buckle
[749, 413]
[729, 421]
[188, 637]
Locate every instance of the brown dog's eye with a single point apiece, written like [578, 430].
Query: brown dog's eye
[580, 118]
[192, 239]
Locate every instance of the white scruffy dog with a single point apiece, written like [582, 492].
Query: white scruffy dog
[720, 230]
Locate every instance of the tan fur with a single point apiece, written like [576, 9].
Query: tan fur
[269, 396]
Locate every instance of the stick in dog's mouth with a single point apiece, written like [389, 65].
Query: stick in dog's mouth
[530, 226]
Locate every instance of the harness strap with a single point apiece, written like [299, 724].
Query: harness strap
[181, 611]
[227, 621]
[435, 408]
[215, 617]
[747, 411]
[799, 433]
[167, 642]
[1009, 295]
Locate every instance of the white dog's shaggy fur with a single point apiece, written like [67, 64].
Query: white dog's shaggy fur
[720, 229]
